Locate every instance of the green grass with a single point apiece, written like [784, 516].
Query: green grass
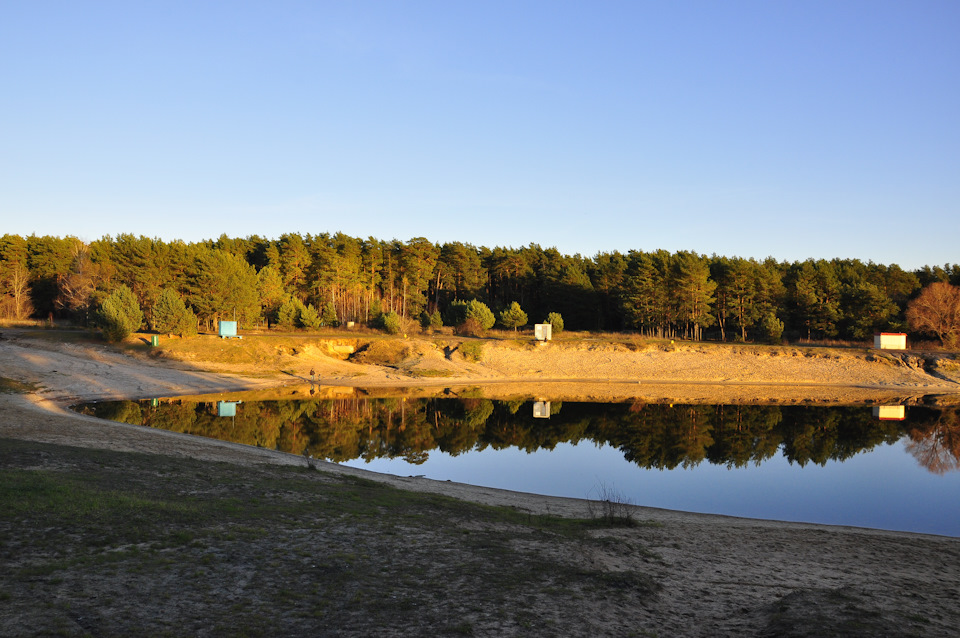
[11, 386]
[472, 351]
[429, 373]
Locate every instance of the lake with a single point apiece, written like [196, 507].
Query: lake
[895, 468]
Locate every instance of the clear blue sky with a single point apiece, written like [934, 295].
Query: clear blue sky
[793, 128]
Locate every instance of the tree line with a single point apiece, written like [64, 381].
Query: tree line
[329, 279]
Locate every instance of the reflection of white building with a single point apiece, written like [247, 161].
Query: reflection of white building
[890, 412]
[890, 341]
[541, 410]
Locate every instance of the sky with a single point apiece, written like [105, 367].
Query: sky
[792, 129]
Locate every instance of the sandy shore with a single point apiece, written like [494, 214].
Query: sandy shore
[718, 573]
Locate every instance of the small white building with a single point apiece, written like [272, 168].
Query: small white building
[543, 331]
[890, 341]
[228, 330]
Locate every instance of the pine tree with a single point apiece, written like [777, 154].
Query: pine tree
[555, 319]
[120, 314]
[309, 317]
[329, 316]
[270, 290]
[171, 316]
[288, 315]
[513, 316]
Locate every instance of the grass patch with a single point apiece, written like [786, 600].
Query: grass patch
[137, 543]
[430, 373]
[472, 351]
[12, 386]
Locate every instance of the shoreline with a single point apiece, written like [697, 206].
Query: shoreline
[90, 373]
[89, 431]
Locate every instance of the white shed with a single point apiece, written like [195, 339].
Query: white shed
[543, 331]
[890, 341]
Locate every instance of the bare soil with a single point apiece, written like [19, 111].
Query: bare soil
[409, 565]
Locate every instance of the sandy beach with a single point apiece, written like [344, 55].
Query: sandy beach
[719, 575]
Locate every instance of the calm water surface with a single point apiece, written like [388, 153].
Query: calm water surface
[843, 466]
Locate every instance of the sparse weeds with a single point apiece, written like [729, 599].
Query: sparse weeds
[472, 351]
[311, 462]
[174, 533]
[611, 506]
[430, 373]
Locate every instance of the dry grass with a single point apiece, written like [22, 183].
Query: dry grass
[117, 544]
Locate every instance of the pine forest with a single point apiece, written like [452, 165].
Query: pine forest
[311, 281]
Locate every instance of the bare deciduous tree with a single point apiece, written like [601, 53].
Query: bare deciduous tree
[77, 286]
[16, 283]
[937, 310]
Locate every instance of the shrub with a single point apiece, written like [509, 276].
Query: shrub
[771, 328]
[472, 351]
[391, 322]
[471, 328]
[611, 507]
[431, 320]
[556, 321]
[119, 315]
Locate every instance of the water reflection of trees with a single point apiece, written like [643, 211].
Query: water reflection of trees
[935, 441]
[652, 436]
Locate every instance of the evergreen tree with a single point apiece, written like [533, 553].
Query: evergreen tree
[170, 315]
[309, 317]
[288, 315]
[329, 317]
[474, 310]
[48, 259]
[458, 274]
[513, 316]
[556, 322]
[608, 272]
[771, 328]
[391, 322]
[224, 286]
[270, 290]
[692, 292]
[120, 314]
[645, 296]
